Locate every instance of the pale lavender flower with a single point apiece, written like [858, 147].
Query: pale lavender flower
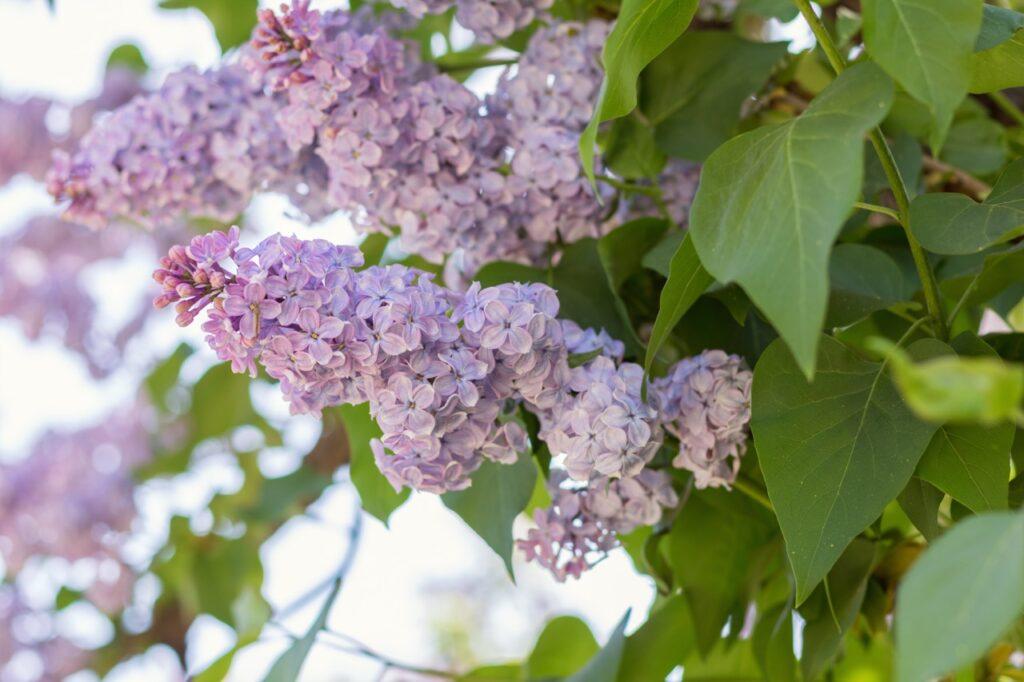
[705, 403]
[580, 526]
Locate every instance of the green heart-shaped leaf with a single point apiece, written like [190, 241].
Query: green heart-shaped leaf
[834, 452]
[772, 201]
[955, 224]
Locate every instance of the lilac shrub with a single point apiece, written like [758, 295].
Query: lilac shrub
[443, 372]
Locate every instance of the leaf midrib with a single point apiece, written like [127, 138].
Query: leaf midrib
[849, 460]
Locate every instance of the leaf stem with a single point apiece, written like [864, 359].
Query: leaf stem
[629, 186]
[354, 646]
[875, 208]
[456, 67]
[753, 492]
[892, 173]
[1007, 106]
[979, 189]
[963, 300]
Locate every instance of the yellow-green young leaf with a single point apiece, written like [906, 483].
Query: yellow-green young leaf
[642, 31]
[960, 596]
[834, 452]
[926, 45]
[232, 20]
[771, 202]
[954, 224]
[998, 61]
[563, 647]
[970, 462]
[957, 389]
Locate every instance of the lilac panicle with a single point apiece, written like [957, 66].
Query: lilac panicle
[705, 403]
[442, 370]
[580, 526]
[200, 145]
[73, 497]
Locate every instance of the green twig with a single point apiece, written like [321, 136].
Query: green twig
[754, 493]
[652, 191]
[892, 173]
[1008, 107]
[875, 208]
[649, 190]
[963, 300]
[455, 67]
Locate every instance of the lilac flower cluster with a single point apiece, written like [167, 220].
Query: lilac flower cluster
[490, 20]
[343, 117]
[72, 498]
[580, 526]
[26, 142]
[437, 367]
[598, 419]
[443, 371]
[28, 637]
[200, 145]
[402, 148]
[420, 153]
[43, 285]
[705, 403]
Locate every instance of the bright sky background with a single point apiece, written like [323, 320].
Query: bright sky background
[425, 569]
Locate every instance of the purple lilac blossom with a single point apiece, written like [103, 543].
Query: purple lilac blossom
[441, 369]
[43, 285]
[25, 140]
[29, 632]
[489, 20]
[200, 145]
[581, 525]
[419, 153]
[387, 335]
[705, 403]
[72, 497]
[341, 116]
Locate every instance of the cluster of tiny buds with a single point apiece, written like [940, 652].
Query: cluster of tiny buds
[445, 372]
